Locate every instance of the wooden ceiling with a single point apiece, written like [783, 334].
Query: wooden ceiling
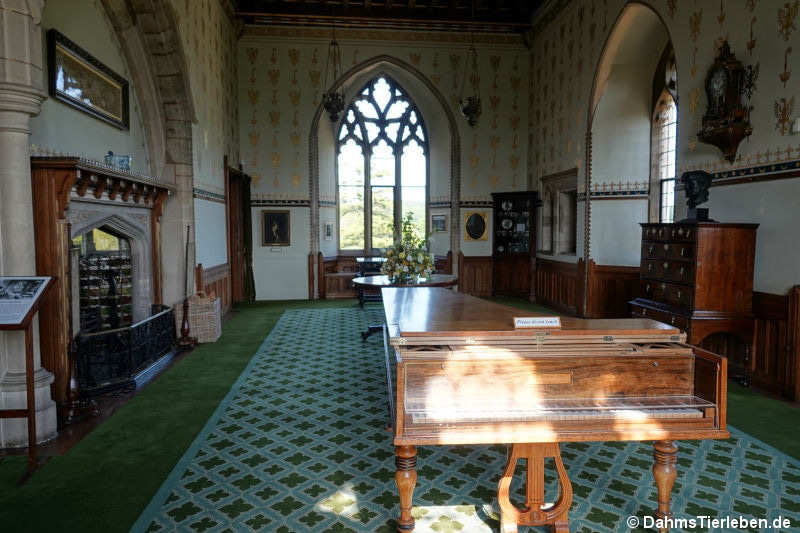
[504, 16]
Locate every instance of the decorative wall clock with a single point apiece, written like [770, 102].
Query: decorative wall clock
[729, 87]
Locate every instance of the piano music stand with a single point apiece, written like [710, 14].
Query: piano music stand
[25, 323]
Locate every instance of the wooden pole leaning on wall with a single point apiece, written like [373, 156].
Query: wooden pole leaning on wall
[185, 342]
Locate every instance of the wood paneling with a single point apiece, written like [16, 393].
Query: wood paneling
[444, 263]
[334, 273]
[560, 285]
[216, 281]
[475, 275]
[610, 289]
[773, 362]
[513, 275]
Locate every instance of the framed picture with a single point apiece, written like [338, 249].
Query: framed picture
[328, 231]
[78, 79]
[275, 228]
[438, 223]
[476, 226]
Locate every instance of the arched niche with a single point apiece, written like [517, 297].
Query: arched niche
[619, 121]
[132, 224]
[444, 159]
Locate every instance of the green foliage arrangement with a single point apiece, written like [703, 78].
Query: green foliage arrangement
[408, 260]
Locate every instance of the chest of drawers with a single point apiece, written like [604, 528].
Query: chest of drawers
[698, 277]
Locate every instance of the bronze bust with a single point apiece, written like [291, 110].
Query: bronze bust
[696, 184]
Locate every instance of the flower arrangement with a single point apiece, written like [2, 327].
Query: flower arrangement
[408, 259]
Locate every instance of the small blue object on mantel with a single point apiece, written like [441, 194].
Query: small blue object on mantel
[122, 162]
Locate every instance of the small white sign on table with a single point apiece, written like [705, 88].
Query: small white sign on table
[17, 296]
[537, 322]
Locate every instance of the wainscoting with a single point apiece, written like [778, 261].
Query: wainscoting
[611, 287]
[475, 275]
[775, 355]
[336, 272]
[560, 285]
[217, 281]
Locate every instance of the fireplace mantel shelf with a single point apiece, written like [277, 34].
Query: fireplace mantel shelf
[97, 178]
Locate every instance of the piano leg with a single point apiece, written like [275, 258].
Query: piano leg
[406, 479]
[665, 471]
[533, 514]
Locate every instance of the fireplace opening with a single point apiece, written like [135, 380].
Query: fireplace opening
[105, 280]
[117, 345]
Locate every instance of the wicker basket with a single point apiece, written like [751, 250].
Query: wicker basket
[205, 317]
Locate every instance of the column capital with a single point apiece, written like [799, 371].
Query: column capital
[17, 104]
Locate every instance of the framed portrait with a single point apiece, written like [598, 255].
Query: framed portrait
[78, 79]
[476, 227]
[275, 229]
[438, 223]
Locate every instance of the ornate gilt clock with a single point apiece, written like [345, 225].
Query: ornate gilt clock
[729, 85]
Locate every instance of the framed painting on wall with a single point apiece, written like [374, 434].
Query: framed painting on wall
[476, 226]
[275, 229]
[78, 79]
[438, 223]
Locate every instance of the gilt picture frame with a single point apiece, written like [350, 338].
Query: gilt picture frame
[476, 226]
[275, 228]
[78, 79]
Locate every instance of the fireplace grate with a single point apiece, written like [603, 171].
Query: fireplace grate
[111, 359]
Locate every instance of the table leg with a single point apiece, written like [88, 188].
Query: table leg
[665, 472]
[406, 479]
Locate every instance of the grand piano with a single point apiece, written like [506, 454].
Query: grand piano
[465, 375]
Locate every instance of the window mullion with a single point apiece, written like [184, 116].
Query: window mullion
[398, 188]
[367, 200]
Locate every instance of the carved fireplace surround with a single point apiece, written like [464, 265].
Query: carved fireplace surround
[72, 196]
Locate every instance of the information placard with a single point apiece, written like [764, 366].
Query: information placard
[537, 322]
[18, 294]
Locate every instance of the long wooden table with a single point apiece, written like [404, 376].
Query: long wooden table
[465, 375]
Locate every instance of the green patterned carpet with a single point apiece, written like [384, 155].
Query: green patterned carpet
[299, 445]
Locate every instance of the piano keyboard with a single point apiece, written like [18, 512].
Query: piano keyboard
[453, 417]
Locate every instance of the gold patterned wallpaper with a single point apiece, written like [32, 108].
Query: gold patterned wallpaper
[209, 40]
[281, 79]
[566, 51]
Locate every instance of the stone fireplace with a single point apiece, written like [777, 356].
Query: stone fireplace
[98, 233]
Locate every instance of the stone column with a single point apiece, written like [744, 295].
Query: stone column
[21, 95]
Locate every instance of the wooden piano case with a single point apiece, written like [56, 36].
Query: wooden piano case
[464, 375]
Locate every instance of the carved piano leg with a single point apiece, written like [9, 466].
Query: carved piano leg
[533, 514]
[665, 471]
[406, 479]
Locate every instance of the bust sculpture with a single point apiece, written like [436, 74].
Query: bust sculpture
[696, 184]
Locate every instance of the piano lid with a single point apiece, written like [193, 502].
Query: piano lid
[429, 312]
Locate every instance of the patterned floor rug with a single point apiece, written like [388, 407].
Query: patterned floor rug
[299, 445]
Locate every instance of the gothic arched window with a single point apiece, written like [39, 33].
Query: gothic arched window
[382, 166]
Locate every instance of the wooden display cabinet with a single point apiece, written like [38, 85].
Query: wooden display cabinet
[514, 242]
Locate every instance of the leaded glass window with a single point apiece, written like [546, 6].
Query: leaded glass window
[665, 125]
[382, 166]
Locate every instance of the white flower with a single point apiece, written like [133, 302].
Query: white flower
[420, 258]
